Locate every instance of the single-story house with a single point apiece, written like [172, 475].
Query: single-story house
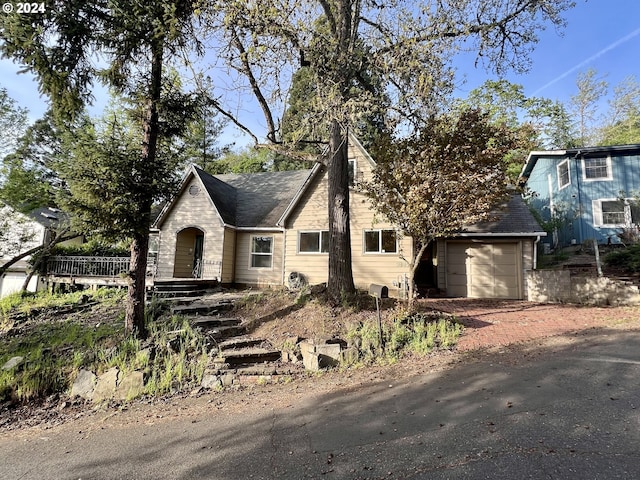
[267, 229]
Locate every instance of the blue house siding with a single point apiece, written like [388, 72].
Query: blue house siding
[587, 203]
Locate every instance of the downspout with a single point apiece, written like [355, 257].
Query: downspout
[535, 252]
[580, 232]
[284, 255]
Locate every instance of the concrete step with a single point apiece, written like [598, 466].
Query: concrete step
[240, 342]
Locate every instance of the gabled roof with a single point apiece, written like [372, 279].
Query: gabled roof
[245, 200]
[613, 150]
[262, 198]
[48, 217]
[511, 219]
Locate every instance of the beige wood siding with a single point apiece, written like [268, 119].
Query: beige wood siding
[228, 256]
[311, 215]
[195, 211]
[261, 277]
[484, 270]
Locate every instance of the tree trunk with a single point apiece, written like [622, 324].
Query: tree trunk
[413, 267]
[134, 311]
[340, 281]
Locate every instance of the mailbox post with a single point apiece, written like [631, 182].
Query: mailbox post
[379, 292]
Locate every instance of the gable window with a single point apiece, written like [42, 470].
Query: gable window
[563, 174]
[261, 252]
[596, 168]
[615, 213]
[352, 171]
[380, 241]
[313, 242]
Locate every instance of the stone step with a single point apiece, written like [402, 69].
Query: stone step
[263, 369]
[202, 308]
[222, 333]
[208, 322]
[246, 356]
[240, 342]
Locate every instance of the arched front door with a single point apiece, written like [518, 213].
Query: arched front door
[188, 256]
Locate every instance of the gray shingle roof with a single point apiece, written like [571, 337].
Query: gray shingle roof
[253, 199]
[511, 218]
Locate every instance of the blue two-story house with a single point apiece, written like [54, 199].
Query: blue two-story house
[588, 193]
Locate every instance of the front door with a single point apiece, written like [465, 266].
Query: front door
[197, 256]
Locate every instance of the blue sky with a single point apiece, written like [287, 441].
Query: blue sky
[600, 34]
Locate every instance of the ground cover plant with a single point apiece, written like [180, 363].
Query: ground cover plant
[57, 335]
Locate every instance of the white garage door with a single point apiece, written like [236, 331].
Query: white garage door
[11, 282]
[483, 270]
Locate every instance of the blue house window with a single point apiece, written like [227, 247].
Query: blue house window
[563, 174]
[597, 168]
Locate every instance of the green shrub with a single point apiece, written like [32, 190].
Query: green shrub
[627, 258]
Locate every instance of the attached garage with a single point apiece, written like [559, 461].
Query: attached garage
[484, 269]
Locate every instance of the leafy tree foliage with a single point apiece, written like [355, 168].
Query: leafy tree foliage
[248, 160]
[125, 44]
[537, 123]
[13, 122]
[584, 105]
[623, 125]
[405, 47]
[450, 175]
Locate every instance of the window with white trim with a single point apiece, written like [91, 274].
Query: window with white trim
[261, 252]
[564, 178]
[352, 171]
[313, 242]
[596, 169]
[614, 212]
[380, 241]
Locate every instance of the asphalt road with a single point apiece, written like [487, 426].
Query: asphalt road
[567, 412]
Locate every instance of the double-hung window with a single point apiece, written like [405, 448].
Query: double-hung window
[313, 242]
[380, 241]
[615, 213]
[261, 252]
[596, 168]
[564, 178]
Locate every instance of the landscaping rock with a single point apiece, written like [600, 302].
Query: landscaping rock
[311, 361]
[131, 386]
[106, 385]
[227, 379]
[13, 362]
[318, 356]
[84, 384]
[211, 382]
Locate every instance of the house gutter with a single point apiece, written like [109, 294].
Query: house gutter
[505, 234]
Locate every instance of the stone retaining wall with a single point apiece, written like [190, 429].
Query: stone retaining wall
[560, 286]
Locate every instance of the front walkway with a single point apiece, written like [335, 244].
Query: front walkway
[493, 323]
